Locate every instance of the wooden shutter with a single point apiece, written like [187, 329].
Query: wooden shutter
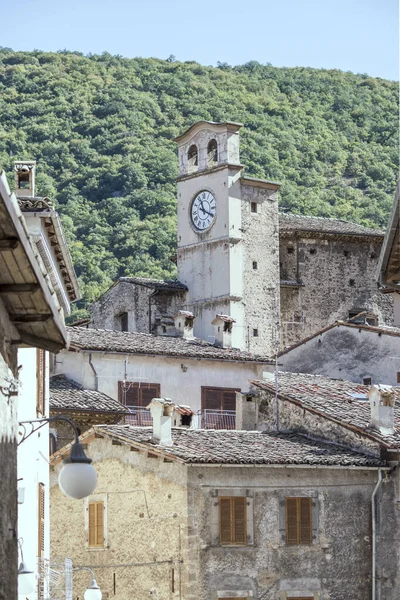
[41, 525]
[232, 521]
[148, 391]
[228, 400]
[211, 399]
[40, 381]
[298, 521]
[218, 398]
[135, 394]
[96, 524]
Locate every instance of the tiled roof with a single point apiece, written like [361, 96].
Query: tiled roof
[66, 394]
[34, 203]
[145, 343]
[240, 447]
[290, 222]
[157, 284]
[332, 399]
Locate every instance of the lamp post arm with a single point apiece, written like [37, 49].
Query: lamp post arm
[84, 569]
[42, 423]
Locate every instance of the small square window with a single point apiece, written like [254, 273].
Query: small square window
[255, 332]
[398, 376]
[255, 265]
[368, 380]
[254, 207]
[290, 250]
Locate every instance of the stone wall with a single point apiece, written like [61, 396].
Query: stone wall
[336, 276]
[146, 525]
[269, 569]
[260, 267]
[8, 459]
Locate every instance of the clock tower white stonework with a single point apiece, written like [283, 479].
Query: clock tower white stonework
[227, 238]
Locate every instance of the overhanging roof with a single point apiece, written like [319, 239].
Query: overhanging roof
[389, 260]
[27, 294]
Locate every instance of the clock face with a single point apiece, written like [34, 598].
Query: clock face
[203, 211]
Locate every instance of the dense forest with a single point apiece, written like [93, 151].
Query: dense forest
[101, 128]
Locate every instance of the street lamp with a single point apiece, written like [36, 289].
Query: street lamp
[93, 592]
[77, 479]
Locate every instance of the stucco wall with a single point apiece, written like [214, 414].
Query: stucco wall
[347, 353]
[182, 386]
[336, 566]
[334, 284]
[8, 459]
[146, 523]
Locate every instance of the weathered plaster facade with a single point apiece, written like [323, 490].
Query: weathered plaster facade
[326, 277]
[347, 351]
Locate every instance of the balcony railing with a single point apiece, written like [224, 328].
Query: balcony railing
[138, 416]
[207, 419]
[219, 419]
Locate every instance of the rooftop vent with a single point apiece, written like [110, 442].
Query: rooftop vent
[25, 178]
[223, 330]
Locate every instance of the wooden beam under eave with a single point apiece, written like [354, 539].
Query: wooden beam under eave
[30, 318]
[33, 341]
[9, 244]
[18, 288]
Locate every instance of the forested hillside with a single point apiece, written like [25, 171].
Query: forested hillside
[101, 129]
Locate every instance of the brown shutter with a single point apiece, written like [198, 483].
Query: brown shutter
[239, 520]
[225, 536]
[41, 514]
[212, 399]
[148, 391]
[228, 400]
[128, 393]
[291, 521]
[305, 524]
[96, 524]
[40, 381]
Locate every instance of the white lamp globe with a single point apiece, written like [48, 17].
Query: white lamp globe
[77, 480]
[93, 592]
[26, 581]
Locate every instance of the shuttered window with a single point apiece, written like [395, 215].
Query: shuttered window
[232, 521]
[298, 520]
[96, 525]
[41, 525]
[137, 394]
[40, 382]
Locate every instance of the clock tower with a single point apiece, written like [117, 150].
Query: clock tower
[227, 257]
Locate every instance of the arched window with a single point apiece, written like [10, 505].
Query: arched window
[193, 157]
[212, 153]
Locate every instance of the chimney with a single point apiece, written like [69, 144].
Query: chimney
[25, 178]
[161, 411]
[223, 330]
[382, 399]
[184, 323]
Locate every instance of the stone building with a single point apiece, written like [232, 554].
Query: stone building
[352, 350]
[31, 322]
[203, 515]
[133, 368]
[279, 277]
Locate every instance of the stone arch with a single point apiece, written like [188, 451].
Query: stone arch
[212, 153]
[193, 158]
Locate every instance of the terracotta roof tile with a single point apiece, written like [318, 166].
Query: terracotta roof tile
[333, 399]
[144, 343]
[240, 447]
[66, 394]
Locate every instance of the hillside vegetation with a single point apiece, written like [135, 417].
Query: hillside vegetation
[101, 129]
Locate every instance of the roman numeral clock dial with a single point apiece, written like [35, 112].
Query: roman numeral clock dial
[203, 210]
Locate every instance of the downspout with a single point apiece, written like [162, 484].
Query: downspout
[373, 507]
[96, 378]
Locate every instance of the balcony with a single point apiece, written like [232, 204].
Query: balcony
[207, 419]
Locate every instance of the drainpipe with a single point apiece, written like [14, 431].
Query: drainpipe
[96, 378]
[373, 507]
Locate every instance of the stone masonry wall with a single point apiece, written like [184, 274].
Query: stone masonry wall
[260, 267]
[146, 524]
[336, 566]
[337, 275]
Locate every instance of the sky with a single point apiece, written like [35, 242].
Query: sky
[352, 35]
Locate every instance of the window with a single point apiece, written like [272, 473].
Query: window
[255, 332]
[124, 321]
[40, 382]
[192, 157]
[290, 250]
[398, 376]
[253, 207]
[313, 250]
[137, 394]
[96, 524]
[367, 380]
[255, 265]
[212, 153]
[218, 398]
[232, 521]
[298, 521]
[41, 526]
[23, 180]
